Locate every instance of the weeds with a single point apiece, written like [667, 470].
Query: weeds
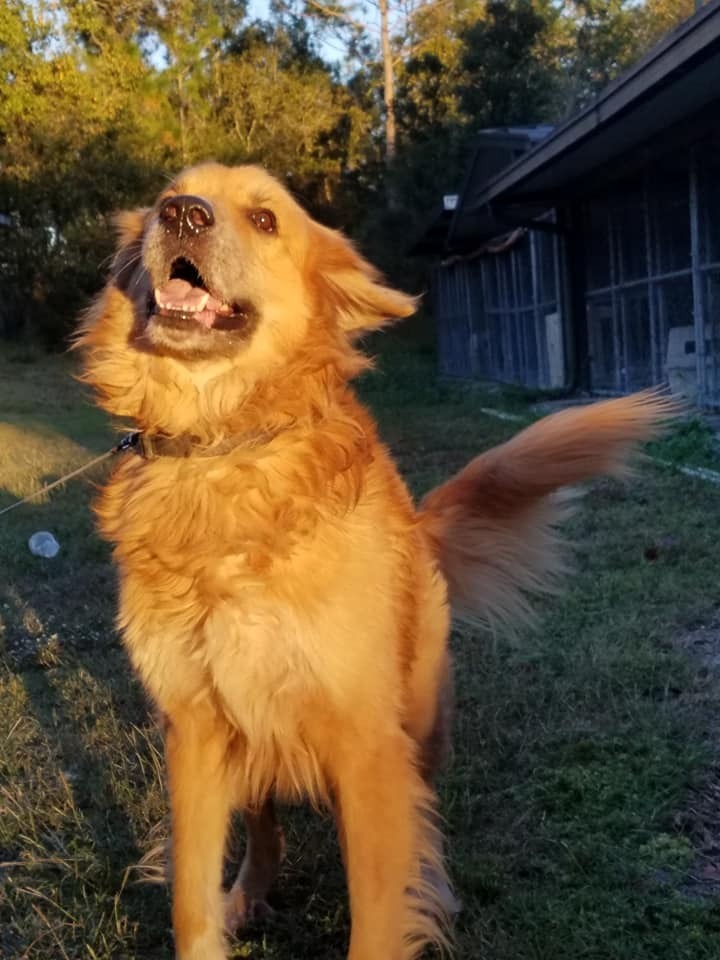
[577, 747]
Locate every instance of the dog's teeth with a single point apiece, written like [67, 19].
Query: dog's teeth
[185, 306]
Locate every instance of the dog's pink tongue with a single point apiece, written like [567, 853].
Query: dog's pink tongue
[180, 295]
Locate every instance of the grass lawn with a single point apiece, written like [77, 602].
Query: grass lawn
[579, 802]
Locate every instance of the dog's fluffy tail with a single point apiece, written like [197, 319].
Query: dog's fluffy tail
[493, 526]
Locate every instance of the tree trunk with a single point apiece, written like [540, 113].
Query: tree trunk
[388, 84]
[181, 117]
[389, 101]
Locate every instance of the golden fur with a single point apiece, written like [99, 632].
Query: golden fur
[284, 603]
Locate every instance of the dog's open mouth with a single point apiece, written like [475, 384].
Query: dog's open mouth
[185, 297]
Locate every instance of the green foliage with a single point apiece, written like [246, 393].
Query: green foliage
[275, 103]
[612, 34]
[102, 99]
[89, 124]
[511, 63]
[581, 750]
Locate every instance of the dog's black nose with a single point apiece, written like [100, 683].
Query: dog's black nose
[186, 214]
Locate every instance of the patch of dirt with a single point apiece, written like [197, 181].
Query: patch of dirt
[700, 820]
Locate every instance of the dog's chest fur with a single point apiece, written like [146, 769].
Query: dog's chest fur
[235, 588]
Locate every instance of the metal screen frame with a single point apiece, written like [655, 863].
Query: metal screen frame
[616, 365]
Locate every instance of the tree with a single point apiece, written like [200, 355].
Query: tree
[191, 37]
[610, 35]
[511, 63]
[272, 100]
[72, 151]
[367, 108]
[377, 36]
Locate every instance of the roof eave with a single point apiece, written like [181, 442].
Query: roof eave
[691, 41]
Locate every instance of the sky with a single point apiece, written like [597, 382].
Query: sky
[259, 10]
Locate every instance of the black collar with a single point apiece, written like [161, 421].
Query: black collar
[151, 446]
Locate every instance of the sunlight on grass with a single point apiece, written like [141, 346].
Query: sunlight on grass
[33, 456]
[578, 752]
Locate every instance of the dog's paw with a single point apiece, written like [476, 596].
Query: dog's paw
[241, 909]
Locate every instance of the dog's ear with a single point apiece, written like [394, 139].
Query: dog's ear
[353, 287]
[129, 227]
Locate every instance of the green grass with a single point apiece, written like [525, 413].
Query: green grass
[579, 748]
[691, 443]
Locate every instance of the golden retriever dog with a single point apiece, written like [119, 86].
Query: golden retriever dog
[284, 603]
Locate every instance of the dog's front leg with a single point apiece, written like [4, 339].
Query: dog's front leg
[384, 820]
[198, 751]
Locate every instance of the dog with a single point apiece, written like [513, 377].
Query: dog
[281, 598]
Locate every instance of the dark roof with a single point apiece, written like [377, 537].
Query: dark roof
[493, 150]
[435, 235]
[676, 80]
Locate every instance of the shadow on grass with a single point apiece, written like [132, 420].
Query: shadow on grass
[96, 759]
[91, 807]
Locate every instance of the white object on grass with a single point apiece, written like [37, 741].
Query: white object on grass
[43, 544]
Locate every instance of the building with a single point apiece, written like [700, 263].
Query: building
[588, 255]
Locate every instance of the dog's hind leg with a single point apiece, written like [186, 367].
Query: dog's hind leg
[434, 746]
[264, 852]
[200, 797]
[435, 742]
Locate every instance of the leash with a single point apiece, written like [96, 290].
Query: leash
[128, 443]
[153, 446]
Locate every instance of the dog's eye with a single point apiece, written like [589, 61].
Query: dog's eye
[264, 220]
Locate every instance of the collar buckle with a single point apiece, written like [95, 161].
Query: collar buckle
[130, 443]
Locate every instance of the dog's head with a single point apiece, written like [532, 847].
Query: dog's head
[226, 256]
[225, 276]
